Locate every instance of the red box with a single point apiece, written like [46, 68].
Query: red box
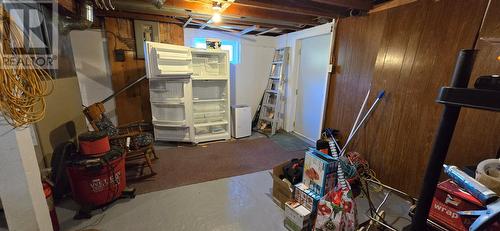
[450, 199]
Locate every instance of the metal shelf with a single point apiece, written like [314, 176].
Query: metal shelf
[470, 97]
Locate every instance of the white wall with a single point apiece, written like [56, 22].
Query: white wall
[249, 76]
[20, 181]
[93, 69]
[292, 40]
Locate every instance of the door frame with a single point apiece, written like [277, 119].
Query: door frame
[298, 47]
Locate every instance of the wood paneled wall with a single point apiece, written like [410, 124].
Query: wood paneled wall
[478, 132]
[133, 104]
[410, 52]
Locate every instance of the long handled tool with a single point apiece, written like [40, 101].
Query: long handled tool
[359, 113]
[358, 126]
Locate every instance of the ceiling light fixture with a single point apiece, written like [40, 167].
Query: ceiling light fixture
[216, 17]
[217, 6]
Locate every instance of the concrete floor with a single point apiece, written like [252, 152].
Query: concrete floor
[236, 203]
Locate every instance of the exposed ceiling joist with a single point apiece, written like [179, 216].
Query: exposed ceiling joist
[238, 11]
[295, 7]
[202, 26]
[389, 5]
[268, 31]
[353, 4]
[248, 30]
[144, 7]
[265, 25]
[187, 22]
[214, 26]
[139, 16]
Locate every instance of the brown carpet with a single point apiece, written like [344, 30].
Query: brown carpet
[190, 165]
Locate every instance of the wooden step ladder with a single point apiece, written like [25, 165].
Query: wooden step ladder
[272, 107]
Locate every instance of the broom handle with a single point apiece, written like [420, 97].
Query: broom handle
[379, 97]
[359, 114]
[123, 89]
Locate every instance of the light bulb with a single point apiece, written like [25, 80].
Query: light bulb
[216, 17]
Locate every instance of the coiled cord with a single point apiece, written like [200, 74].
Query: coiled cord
[22, 88]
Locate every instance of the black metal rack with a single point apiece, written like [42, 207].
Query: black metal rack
[453, 98]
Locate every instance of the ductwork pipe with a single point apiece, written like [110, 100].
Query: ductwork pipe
[84, 20]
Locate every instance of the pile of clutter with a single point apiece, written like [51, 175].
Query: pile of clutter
[463, 203]
[317, 191]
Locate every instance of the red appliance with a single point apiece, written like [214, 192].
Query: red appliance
[94, 143]
[448, 200]
[47, 190]
[96, 181]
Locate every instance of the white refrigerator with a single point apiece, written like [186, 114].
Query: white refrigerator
[189, 92]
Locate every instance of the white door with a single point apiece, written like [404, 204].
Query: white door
[311, 86]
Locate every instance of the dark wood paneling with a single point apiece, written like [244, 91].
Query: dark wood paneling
[478, 132]
[356, 46]
[410, 54]
[133, 104]
[491, 27]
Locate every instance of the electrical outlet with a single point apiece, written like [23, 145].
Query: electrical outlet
[120, 55]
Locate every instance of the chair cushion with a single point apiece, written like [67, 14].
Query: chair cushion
[143, 139]
[106, 125]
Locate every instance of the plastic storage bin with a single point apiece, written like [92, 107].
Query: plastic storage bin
[209, 90]
[162, 90]
[168, 113]
[171, 133]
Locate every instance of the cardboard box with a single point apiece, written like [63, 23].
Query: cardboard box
[306, 197]
[297, 217]
[289, 225]
[448, 200]
[282, 190]
[319, 172]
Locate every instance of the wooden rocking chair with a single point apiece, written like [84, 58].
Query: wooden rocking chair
[131, 137]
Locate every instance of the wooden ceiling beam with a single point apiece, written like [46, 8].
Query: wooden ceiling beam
[138, 16]
[145, 7]
[351, 4]
[250, 12]
[265, 25]
[215, 26]
[239, 11]
[187, 22]
[295, 7]
[389, 5]
[267, 31]
[248, 30]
